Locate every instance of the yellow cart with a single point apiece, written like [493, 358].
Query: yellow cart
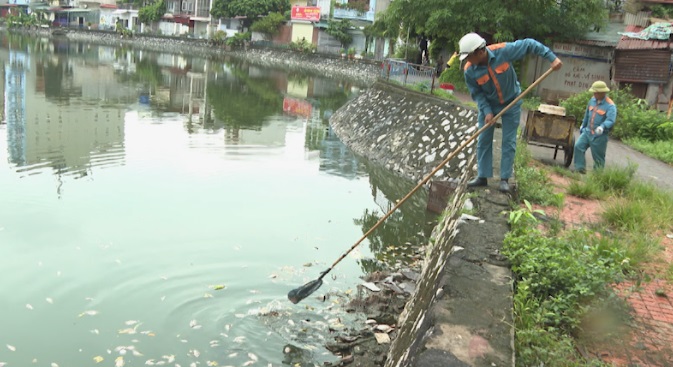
[549, 127]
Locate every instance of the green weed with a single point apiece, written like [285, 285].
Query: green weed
[661, 150]
[586, 189]
[564, 172]
[614, 179]
[629, 216]
[532, 183]
[557, 277]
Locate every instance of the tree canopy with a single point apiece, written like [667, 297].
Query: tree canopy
[248, 8]
[497, 20]
[152, 12]
[339, 30]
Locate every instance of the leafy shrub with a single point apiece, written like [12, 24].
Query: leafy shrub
[302, 46]
[238, 39]
[562, 274]
[408, 52]
[152, 12]
[453, 74]
[339, 30]
[219, 37]
[269, 25]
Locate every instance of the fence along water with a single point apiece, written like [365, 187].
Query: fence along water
[406, 73]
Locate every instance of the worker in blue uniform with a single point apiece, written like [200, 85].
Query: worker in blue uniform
[599, 118]
[493, 84]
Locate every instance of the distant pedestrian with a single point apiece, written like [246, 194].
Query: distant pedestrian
[440, 65]
[493, 84]
[423, 48]
[599, 118]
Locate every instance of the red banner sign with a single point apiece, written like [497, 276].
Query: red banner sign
[310, 13]
[297, 107]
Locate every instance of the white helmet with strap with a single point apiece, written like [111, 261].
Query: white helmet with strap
[469, 43]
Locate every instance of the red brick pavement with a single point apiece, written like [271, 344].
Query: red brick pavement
[650, 343]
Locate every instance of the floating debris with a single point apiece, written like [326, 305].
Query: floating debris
[384, 328]
[194, 324]
[382, 338]
[371, 286]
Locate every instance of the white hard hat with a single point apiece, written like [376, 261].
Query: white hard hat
[469, 43]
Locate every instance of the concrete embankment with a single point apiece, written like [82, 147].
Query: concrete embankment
[460, 314]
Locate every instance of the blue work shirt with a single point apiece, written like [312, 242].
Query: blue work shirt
[496, 84]
[599, 113]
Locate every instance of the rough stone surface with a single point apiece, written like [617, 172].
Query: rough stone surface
[407, 132]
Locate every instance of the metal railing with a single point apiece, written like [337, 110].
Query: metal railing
[422, 76]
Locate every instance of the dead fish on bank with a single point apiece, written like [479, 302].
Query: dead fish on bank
[294, 355]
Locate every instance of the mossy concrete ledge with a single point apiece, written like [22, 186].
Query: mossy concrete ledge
[461, 311]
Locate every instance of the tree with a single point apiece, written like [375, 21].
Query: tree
[153, 12]
[499, 20]
[339, 30]
[251, 9]
[269, 25]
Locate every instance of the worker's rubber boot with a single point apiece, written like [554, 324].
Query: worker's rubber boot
[476, 182]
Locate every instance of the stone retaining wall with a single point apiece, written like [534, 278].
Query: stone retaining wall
[407, 132]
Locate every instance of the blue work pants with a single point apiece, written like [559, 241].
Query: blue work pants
[598, 145]
[510, 124]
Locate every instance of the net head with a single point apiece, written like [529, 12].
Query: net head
[298, 294]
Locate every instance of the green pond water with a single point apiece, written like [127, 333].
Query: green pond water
[156, 210]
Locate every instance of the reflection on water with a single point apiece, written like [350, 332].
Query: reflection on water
[158, 208]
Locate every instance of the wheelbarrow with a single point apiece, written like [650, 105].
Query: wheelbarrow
[549, 127]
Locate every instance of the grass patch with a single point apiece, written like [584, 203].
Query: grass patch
[629, 216]
[661, 150]
[556, 277]
[638, 248]
[533, 184]
[563, 279]
[585, 189]
[441, 93]
[564, 172]
[614, 179]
